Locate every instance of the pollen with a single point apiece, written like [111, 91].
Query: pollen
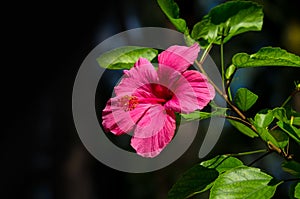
[128, 103]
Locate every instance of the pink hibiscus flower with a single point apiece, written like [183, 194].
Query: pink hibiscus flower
[146, 99]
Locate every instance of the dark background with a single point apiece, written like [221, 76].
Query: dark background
[43, 46]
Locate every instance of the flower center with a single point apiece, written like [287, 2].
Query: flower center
[128, 103]
[162, 92]
[161, 95]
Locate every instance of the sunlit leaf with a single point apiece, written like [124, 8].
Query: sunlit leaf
[196, 115]
[200, 115]
[297, 190]
[125, 57]
[171, 10]
[244, 182]
[230, 71]
[266, 56]
[296, 121]
[201, 177]
[205, 32]
[265, 117]
[280, 114]
[227, 20]
[263, 120]
[294, 191]
[222, 163]
[245, 99]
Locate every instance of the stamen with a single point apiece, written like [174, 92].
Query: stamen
[128, 103]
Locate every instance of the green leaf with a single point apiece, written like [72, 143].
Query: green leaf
[243, 128]
[196, 115]
[222, 163]
[297, 190]
[227, 20]
[296, 121]
[200, 115]
[196, 180]
[292, 131]
[244, 182]
[263, 120]
[245, 99]
[291, 167]
[266, 56]
[171, 10]
[201, 177]
[293, 115]
[291, 112]
[265, 117]
[280, 114]
[188, 39]
[266, 135]
[205, 32]
[294, 192]
[125, 57]
[230, 71]
[281, 138]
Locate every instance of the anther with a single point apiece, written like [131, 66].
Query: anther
[128, 103]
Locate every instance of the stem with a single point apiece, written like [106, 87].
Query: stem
[198, 63]
[274, 127]
[228, 82]
[291, 179]
[227, 96]
[244, 121]
[205, 53]
[222, 64]
[286, 101]
[229, 93]
[290, 97]
[235, 109]
[239, 120]
[287, 148]
[261, 157]
[249, 152]
[272, 147]
[222, 93]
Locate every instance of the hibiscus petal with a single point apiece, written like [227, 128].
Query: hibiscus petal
[203, 89]
[179, 57]
[119, 121]
[141, 75]
[154, 131]
[168, 77]
[193, 92]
